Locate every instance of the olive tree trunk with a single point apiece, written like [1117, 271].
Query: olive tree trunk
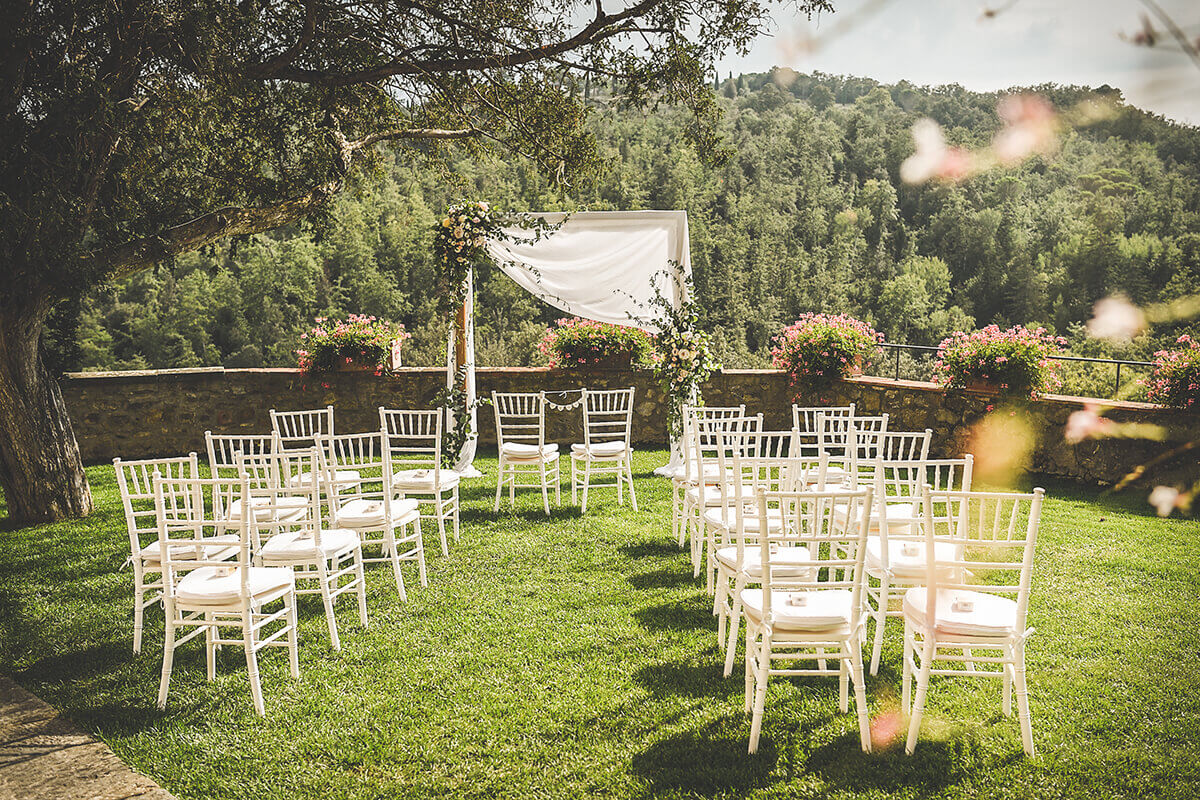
[41, 472]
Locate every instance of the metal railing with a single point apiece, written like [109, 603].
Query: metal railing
[920, 348]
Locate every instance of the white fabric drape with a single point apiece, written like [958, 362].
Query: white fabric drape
[464, 464]
[604, 265]
[601, 265]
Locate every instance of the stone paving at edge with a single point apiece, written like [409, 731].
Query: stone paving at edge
[43, 756]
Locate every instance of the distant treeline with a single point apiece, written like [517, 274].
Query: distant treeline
[806, 213]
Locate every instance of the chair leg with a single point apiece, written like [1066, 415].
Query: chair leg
[252, 665]
[844, 685]
[139, 597]
[545, 489]
[1022, 692]
[914, 722]
[168, 656]
[587, 482]
[210, 648]
[441, 523]
[454, 512]
[557, 484]
[880, 622]
[860, 696]
[735, 619]
[680, 497]
[629, 477]
[760, 691]
[1006, 691]
[512, 484]
[750, 667]
[906, 670]
[499, 484]
[420, 538]
[574, 481]
[330, 617]
[289, 600]
[389, 544]
[362, 585]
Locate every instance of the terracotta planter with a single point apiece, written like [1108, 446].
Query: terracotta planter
[620, 361]
[392, 363]
[982, 387]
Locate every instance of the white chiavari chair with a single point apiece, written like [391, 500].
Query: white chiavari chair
[685, 477]
[607, 448]
[972, 611]
[710, 435]
[223, 450]
[848, 442]
[413, 449]
[811, 615]
[135, 479]
[381, 518]
[218, 592]
[804, 418]
[765, 460]
[299, 429]
[286, 533]
[521, 438]
[896, 550]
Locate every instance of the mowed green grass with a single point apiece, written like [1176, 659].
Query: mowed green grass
[575, 657]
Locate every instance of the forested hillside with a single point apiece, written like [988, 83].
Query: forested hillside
[807, 213]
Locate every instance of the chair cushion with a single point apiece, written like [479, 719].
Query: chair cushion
[287, 508]
[362, 513]
[421, 480]
[712, 494]
[726, 518]
[900, 516]
[516, 451]
[790, 562]
[342, 476]
[208, 587]
[992, 614]
[599, 450]
[822, 609]
[711, 473]
[151, 554]
[906, 557]
[296, 546]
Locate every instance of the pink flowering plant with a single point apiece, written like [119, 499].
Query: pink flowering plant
[358, 340]
[576, 342]
[818, 349]
[1017, 361]
[1175, 379]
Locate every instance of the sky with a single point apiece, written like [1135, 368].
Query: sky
[1027, 42]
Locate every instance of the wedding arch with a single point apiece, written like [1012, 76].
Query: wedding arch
[610, 266]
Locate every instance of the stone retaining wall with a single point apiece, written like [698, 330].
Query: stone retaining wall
[165, 412]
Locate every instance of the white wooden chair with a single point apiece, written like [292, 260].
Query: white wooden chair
[815, 614]
[607, 448]
[299, 429]
[766, 460]
[218, 592]
[413, 450]
[971, 614]
[223, 450]
[135, 479]
[710, 436]
[804, 418]
[684, 476]
[287, 531]
[836, 438]
[896, 550]
[521, 438]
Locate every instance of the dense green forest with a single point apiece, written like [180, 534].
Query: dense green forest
[807, 213]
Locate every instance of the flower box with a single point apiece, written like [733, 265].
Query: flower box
[991, 362]
[590, 345]
[357, 344]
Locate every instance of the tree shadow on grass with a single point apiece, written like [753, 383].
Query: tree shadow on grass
[538, 514]
[652, 549]
[705, 679]
[935, 765]
[707, 762]
[76, 665]
[676, 616]
[667, 578]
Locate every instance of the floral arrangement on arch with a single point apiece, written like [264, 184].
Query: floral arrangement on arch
[818, 349]
[683, 357]
[576, 342]
[359, 341]
[1175, 379]
[1017, 361]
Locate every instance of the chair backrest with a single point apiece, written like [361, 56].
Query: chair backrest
[224, 447]
[804, 418]
[853, 440]
[298, 428]
[367, 455]
[607, 416]
[712, 435]
[135, 479]
[690, 414]
[991, 538]
[185, 527]
[520, 418]
[412, 439]
[836, 543]
[905, 445]
[271, 503]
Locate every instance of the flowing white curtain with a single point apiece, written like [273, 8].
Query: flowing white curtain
[601, 265]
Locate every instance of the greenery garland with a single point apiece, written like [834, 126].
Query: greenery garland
[684, 358]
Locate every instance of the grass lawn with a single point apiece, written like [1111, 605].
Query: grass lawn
[576, 657]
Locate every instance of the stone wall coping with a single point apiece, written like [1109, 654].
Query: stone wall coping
[149, 375]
